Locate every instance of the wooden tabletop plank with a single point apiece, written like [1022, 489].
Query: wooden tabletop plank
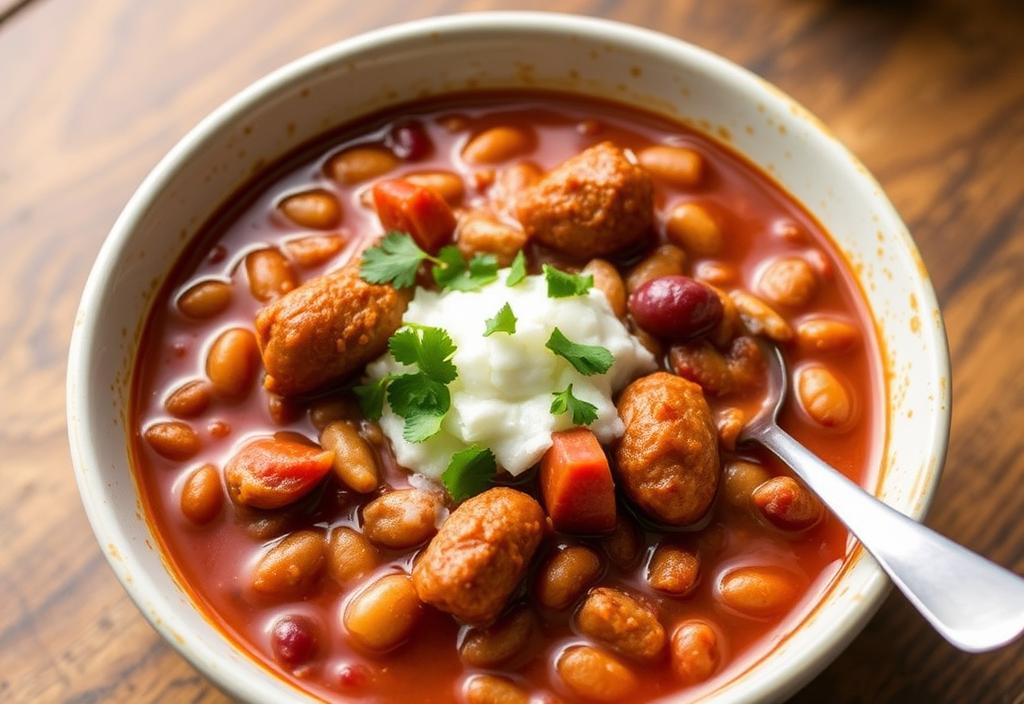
[929, 95]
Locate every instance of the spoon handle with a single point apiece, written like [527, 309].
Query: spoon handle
[974, 604]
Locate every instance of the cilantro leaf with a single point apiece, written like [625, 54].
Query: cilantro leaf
[503, 321]
[394, 260]
[469, 472]
[453, 273]
[587, 359]
[422, 401]
[583, 412]
[371, 397]
[562, 284]
[518, 270]
[431, 349]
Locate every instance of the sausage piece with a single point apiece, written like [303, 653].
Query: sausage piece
[592, 205]
[325, 330]
[479, 555]
[668, 455]
[624, 624]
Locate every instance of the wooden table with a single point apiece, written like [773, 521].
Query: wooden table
[929, 95]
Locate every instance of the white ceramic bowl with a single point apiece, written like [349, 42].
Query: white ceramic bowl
[497, 50]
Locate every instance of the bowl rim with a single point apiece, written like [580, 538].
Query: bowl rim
[160, 610]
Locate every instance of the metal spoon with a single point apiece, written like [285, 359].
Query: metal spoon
[974, 604]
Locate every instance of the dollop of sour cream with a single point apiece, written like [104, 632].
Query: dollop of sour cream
[502, 396]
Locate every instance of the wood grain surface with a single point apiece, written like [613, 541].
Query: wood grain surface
[929, 94]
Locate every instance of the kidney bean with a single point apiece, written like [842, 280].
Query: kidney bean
[271, 472]
[294, 640]
[593, 674]
[263, 525]
[788, 281]
[316, 209]
[359, 164]
[270, 274]
[674, 570]
[446, 184]
[758, 591]
[787, 504]
[292, 567]
[695, 652]
[678, 166]
[500, 642]
[608, 280]
[716, 273]
[354, 461]
[205, 299]
[759, 318]
[496, 144]
[409, 141]
[402, 519]
[824, 397]
[383, 615]
[481, 233]
[283, 411]
[730, 423]
[826, 335]
[350, 556]
[188, 400]
[675, 307]
[623, 546]
[566, 575]
[232, 362]
[490, 689]
[201, 495]
[739, 479]
[665, 260]
[174, 440]
[314, 250]
[693, 228]
[615, 618]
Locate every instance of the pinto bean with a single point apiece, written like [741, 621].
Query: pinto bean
[174, 440]
[609, 282]
[787, 504]
[354, 461]
[679, 166]
[826, 335]
[314, 250]
[205, 299]
[692, 227]
[316, 209]
[594, 674]
[201, 496]
[665, 260]
[270, 274]
[292, 567]
[674, 570]
[326, 410]
[401, 519]
[740, 369]
[481, 233]
[232, 362]
[384, 614]
[350, 556]
[739, 480]
[758, 591]
[565, 576]
[695, 652]
[497, 144]
[716, 273]
[500, 642]
[624, 545]
[446, 184]
[824, 397]
[188, 400]
[788, 281]
[759, 318]
[359, 164]
[730, 423]
[615, 618]
[490, 689]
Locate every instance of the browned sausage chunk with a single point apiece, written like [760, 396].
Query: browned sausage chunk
[668, 455]
[481, 552]
[326, 329]
[594, 204]
[615, 618]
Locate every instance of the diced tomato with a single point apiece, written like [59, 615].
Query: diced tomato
[577, 483]
[414, 209]
[274, 472]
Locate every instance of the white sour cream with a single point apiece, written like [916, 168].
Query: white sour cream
[502, 396]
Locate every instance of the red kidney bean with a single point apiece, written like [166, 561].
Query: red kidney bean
[675, 307]
[294, 640]
[409, 141]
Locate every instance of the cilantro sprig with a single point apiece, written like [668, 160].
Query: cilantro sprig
[586, 359]
[396, 259]
[562, 284]
[582, 412]
[503, 321]
[469, 472]
[456, 275]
